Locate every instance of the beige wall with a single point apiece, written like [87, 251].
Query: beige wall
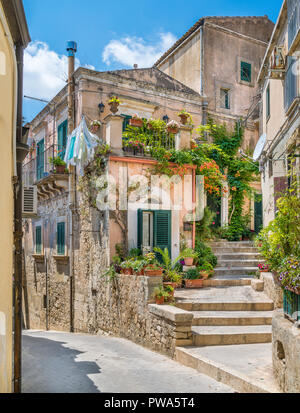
[6, 209]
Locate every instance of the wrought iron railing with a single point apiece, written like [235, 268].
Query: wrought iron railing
[39, 165]
[139, 142]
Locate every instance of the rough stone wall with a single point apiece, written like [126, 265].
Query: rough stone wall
[286, 353]
[123, 309]
[272, 290]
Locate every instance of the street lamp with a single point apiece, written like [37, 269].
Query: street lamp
[101, 107]
[166, 118]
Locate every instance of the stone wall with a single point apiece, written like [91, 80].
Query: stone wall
[125, 309]
[271, 289]
[286, 353]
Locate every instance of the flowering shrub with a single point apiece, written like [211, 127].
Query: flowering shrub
[135, 144]
[263, 267]
[289, 273]
[136, 116]
[212, 177]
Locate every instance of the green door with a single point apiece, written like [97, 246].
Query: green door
[62, 139]
[258, 213]
[154, 229]
[40, 160]
[214, 204]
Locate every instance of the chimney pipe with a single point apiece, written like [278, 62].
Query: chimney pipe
[71, 49]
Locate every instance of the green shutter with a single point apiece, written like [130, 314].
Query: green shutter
[140, 228]
[62, 137]
[162, 230]
[246, 72]
[38, 240]
[61, 238]
[268, 101]
[126, 121]
[40, 160]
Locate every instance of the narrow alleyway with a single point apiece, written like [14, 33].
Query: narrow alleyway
[75, 363]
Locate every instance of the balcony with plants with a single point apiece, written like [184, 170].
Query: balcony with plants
[47, 170]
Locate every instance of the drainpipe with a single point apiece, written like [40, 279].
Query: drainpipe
[71, 49]
[22, 150]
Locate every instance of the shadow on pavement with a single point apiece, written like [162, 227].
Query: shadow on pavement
[49, 367]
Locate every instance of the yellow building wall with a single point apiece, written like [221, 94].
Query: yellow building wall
[6, 209]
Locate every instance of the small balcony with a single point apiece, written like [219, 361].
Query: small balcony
[139, 141]
[39, 171]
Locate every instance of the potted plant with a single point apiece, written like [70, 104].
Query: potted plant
[114, 103]
[95, 126]
[160, 295]
[126, 267]
[170, 291]
[138, 267]
[184, 116]
[136, 121]
[172, 127]
[188, 255]
[153, 270]
[59, 164]
[193, 279]
[206, 270]
[172, 278]
[117, 264]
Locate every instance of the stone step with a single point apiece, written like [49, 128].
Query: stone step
[221, 271]
[235, 277]
[228, 335]
[232, 318]
[225, 306]
[234, 244]
[227, 282]
[238, 263]
[242, 250]
[240, 256]
[246, 368]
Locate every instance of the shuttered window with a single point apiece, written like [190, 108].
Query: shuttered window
[160, 226]
[61, 238]
[246, 72]
[62, 133]
[38, 240]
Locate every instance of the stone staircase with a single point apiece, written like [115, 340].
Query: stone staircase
[235, 259]
[231, 332]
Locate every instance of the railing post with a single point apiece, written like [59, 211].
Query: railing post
[114, 132]
[183, 138]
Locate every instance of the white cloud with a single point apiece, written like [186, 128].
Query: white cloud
[45, 71]
[131, 50]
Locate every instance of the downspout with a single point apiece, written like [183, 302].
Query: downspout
[194, 209]
[21, 151]
[71, 49]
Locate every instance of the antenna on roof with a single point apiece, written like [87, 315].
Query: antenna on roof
[135, 66]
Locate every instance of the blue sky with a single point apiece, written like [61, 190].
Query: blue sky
[112, 34]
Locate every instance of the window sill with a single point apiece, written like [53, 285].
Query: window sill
[38, 257]
[61, 258]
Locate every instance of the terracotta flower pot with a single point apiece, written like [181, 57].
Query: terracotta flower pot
[193, 283]
[159, 300]
[95, 128]
[204, 275]
[153, 273]
[139, 273]
[184, 119]
[172, 130]
[174, 285]
[127, 271]
[188, 262]
[60, 169]
[114, 107]
[136, 122]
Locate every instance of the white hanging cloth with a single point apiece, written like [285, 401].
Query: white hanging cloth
[81, 146]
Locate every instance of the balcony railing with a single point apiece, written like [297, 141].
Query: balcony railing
[138, 142]
[39, 166]
[293, 10]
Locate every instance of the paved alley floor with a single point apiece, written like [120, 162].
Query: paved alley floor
[55, 362]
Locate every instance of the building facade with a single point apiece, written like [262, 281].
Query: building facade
[220, 57]
[69, 240]
[13, 31]
[280, 118]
